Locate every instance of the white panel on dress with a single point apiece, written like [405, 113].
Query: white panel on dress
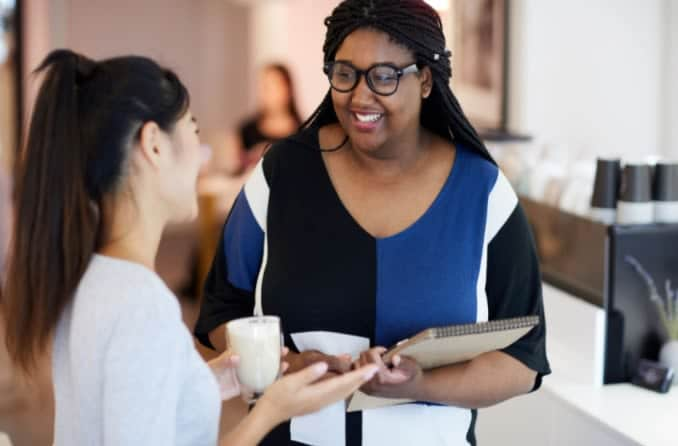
[331, 343]
[416, 424]
[257, 193]
[326, 427]
[500, 205]
[482, 312]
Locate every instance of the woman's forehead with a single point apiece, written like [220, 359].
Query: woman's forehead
[366, 46]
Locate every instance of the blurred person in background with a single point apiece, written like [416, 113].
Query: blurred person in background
[276, 117]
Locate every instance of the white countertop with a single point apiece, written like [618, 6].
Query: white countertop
[576, 353]
[643, 416]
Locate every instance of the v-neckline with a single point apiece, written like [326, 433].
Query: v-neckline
[434, 204]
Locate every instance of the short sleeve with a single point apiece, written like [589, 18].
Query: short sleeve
[513, 284]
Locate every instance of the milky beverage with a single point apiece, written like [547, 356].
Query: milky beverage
[256, 340]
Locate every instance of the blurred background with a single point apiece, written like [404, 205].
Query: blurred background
[552, 85]
[582, 78]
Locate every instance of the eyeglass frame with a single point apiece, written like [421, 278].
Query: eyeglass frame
[400, 72]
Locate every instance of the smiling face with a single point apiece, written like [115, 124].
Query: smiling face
[372, 121]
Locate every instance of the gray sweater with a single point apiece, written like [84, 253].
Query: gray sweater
[125, 368]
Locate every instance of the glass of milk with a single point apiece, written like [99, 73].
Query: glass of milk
[257, 341]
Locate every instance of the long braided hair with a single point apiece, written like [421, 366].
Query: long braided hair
[416, 26]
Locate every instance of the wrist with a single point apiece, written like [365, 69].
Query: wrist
[252, 429]
[417, 388]
[268, 412]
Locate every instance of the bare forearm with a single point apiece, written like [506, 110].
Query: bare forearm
[218, 338]
[252, 429]
[482, 382]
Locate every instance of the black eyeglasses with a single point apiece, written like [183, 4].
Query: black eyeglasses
[382, 78]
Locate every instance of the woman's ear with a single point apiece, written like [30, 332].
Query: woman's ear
[426, 78]
[149, 142]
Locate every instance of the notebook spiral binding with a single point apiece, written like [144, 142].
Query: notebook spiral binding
[486, 327]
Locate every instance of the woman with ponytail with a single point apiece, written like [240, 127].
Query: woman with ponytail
[112, 157]
[383, 216]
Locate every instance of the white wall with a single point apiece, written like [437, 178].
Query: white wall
[204, 41]
[270, 41]
[671, 81]
[588, 73]
[307, 35]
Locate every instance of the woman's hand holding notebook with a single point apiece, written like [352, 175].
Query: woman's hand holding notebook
[440, 346]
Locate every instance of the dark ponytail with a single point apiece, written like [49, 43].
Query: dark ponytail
[85, 117]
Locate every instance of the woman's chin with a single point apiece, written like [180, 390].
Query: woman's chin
[370, 143]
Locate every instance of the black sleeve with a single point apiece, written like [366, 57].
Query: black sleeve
[221, 301]
[514, 289]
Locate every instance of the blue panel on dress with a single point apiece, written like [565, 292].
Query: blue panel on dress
[243, 241]
[427, 274]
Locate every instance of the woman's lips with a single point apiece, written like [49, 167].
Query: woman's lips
[366, 120]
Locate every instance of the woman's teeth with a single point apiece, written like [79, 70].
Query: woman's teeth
[372, 117]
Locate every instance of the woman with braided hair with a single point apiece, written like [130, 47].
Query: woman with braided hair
[383, 216]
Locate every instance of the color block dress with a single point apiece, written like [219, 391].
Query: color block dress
[291, 247]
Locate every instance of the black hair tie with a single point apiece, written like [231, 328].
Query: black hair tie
[84, 69]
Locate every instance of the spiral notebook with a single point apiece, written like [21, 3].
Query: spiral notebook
[439, 346]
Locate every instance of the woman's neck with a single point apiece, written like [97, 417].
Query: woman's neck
[394, 158]
[131, 234]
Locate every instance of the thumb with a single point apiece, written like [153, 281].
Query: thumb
[331, 390]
